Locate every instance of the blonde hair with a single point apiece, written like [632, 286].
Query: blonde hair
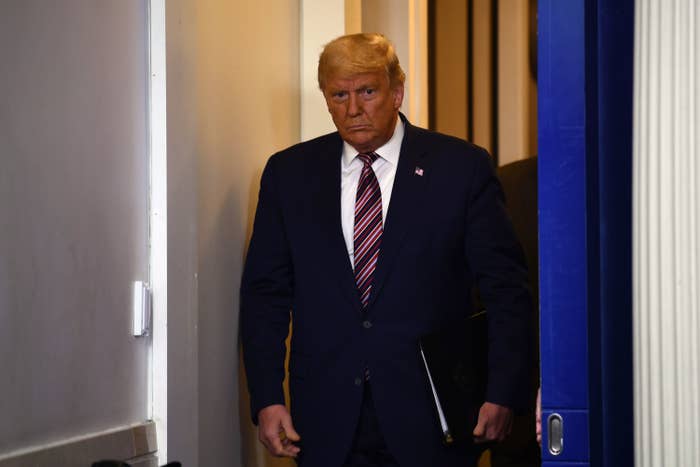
[359, 53]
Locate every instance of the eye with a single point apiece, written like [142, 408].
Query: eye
[369, 91]
[339, 95]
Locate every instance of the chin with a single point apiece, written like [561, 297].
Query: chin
[364, 146]
[359, 142]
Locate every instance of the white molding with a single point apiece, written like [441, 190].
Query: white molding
[321, 22]
[666, 232]
[158, 380]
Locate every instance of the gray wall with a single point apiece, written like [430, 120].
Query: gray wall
[74, 224]
[73, 217]
[233, 80]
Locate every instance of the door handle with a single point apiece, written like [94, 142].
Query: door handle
[555, 434]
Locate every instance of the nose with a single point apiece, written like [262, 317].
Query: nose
[354, 105]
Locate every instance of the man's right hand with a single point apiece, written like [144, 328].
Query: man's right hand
[276, 432]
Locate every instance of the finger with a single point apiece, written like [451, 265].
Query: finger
[290, 448]
[502, 428]
[479, 433]
[496, 428]
[291, 451]
[507, 428]
[494, 431]
[271, 439]
[289, 435]
[501, 434]
[479, 429]
[274, 445]
[289, 430]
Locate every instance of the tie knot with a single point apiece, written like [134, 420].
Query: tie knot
[368, 158]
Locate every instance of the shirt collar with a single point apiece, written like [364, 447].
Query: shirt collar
[389, 151]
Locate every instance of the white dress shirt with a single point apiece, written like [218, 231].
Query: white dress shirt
[351, 167]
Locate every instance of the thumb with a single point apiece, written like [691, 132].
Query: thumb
[480, 428]
[289, 430]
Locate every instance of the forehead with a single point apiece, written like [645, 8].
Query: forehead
[357, 80]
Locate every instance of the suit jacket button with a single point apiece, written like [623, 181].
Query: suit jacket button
[367, 324]
[358, 381]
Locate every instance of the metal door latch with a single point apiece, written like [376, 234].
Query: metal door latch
[142, 309]
[555, 434]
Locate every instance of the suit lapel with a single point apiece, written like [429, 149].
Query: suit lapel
[329, 219]
[412, 175]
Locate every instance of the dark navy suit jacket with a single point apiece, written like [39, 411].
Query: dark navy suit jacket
[445, 230]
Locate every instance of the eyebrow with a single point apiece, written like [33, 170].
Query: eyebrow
[357, 89]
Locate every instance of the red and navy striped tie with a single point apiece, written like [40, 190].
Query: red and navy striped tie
[367, 236]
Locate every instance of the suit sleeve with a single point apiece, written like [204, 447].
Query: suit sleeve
[266, 298]
[498, 264]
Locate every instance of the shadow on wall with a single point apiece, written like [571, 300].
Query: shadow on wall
[253, 453]
[219, 266]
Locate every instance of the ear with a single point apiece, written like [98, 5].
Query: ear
[397, 95]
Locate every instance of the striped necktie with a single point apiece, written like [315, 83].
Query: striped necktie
[367, 236]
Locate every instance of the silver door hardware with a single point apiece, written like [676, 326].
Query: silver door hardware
[142, 309]
[555, 434]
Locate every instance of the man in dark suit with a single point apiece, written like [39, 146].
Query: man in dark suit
[367, 239]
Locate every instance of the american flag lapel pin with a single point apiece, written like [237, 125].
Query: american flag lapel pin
[419, 171]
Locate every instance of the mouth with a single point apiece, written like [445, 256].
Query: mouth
[357, 127]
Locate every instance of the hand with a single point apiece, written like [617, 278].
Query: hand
[276, 432]
[538, 417]
[494, 424]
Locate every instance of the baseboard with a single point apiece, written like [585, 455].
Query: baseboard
[136, 442]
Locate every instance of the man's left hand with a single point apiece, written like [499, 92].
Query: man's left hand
[494, 424]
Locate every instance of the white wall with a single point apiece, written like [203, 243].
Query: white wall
[390, 17]
[233, 99]
[405, 23]
[666, 229]
[321, 22]
[74, 218]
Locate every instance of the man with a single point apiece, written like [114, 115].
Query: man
[369, 238]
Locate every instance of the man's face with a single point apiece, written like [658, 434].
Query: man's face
[364, 108]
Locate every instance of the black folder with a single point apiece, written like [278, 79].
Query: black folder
[456, 363]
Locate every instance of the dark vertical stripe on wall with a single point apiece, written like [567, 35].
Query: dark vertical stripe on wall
[592, 232]
[615, 71]
[470, 70]
[431, 65]
[494, 77]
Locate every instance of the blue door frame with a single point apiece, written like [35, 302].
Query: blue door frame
[585, 87]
